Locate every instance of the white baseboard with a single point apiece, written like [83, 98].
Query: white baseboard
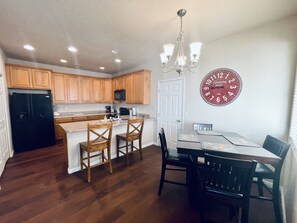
[282, 205]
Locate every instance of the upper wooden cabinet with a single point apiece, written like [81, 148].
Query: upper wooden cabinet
[107, 91]
[73, 88]
[119, 83]
[41, 79]
[24, 77]
[59, 88]
[138, 87]
[97, 90]
[85, 89]
[65, 88]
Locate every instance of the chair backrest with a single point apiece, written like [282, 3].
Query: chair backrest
[226, 176]
[99, 135]
[277, 147]
[134, 128]
[202, 126]
[163, 144]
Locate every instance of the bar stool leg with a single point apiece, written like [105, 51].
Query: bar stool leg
[89, 169]
[118, 146]
[127, 153]
[140, 148]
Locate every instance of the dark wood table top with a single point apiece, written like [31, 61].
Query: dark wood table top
[228, 144]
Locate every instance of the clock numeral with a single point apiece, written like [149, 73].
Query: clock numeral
[212, 97]
[231, 80]
[208, 82]
[230, 93]
[207, 93]
[233, 86]
[227, 76]
[206, 88]
[218, 99]
[225, 98]
[220, 75]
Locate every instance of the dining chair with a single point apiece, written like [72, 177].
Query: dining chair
[272, 172]
[98, 140]
[177, 162]
[227, 182]
[133, 133]
[202, 126]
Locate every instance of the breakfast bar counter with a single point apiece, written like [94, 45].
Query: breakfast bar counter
[76, 132]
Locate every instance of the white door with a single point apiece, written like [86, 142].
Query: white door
[170, 108]
[4, 144]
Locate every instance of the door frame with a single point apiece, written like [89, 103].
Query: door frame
[183, 102]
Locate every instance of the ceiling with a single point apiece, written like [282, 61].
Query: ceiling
[136, 29]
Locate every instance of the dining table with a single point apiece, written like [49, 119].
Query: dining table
[228, 144]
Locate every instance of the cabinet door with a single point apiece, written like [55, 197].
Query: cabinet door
[59, 88]
[85, 89]
[129, 88]
[108, 91]
[119, 83]
[73, 89]
[41, 79]
[7, 76]
[142, 87]
[97, 90]
[20, 77]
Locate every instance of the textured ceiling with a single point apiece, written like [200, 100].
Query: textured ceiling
[137, 29]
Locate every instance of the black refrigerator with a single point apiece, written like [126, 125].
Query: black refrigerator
[32, 121]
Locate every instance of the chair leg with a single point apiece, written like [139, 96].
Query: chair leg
[81, 160]
[109, 159]
[162, 179]
[89, 168]
[276, 200]
[132, 146]
[118, 146]
[140, 149]
[127, 153]
[260, 186]
[245, 215]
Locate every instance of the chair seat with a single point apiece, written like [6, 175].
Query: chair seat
[176, 158]
[131, 136]
[263, 171]
[100, 144]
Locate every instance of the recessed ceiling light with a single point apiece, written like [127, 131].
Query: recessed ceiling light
[29, 47]
[72, 49]
[117, 60]
[63, 61]
[114, 51]
[102, 68]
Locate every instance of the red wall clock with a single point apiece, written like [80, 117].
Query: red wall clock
[220, 87]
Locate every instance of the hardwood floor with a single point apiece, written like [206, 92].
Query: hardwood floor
[35, 187]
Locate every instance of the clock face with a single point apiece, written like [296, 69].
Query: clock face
[220, 87]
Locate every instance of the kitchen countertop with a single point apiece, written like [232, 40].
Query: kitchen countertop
[82, 125]
[75, 114]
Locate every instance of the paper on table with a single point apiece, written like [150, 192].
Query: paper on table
[218, 147]
[240, 141]
[212, 133]
[188, 138]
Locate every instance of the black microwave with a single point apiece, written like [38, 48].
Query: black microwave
[120, 95]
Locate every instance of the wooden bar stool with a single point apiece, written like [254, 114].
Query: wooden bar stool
[134, 132]
[99, 138]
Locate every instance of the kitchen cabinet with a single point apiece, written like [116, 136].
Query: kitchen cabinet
[107, 91]
[73, 89]
[97, 90]
[59, 86]
[138, 87]
[85, 89]
[41, 79]
[129, 88]
[28, 78]
[19, 77]
[119, 83]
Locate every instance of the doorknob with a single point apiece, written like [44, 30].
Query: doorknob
[178, 120]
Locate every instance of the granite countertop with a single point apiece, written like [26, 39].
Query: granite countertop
[82, 125]
[74, 114]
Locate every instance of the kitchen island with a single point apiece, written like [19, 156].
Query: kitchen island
[76, 132]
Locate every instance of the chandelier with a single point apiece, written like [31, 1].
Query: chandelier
[180, 63]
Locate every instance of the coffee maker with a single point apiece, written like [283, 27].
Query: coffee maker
[108, 109]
